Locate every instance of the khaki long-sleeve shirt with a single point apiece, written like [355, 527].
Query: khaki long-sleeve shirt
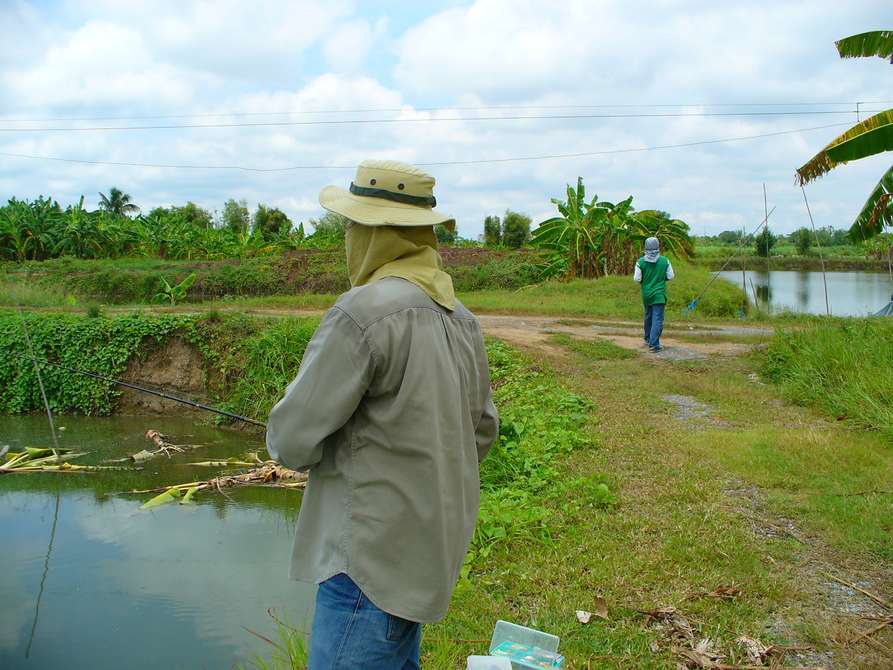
[392, 413]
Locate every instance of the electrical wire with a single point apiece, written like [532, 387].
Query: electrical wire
[340, 122]
[408, 108]
[587, 154]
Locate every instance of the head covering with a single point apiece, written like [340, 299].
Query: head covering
[652, 249]
[387, 193]
[374, 252]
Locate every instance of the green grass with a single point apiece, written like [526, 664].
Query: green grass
[612, 297]
[843, 366]
[596, 350]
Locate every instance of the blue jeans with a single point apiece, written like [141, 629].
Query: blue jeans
[349, 632]
[654, 324]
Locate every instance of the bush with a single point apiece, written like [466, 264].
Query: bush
[764, 243]
[802, 240]
[515, 229]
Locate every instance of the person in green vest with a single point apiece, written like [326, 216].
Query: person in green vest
[653, 271]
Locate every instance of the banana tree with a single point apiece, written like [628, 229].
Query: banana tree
[596, 238]
[872, 136]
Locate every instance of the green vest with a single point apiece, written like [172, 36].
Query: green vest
[654, 280]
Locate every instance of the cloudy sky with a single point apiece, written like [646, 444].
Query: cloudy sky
[101, 63]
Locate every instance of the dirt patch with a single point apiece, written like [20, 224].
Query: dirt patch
[527, 338]
[176, 367]
[687, 408]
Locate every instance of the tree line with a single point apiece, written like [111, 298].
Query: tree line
[41, 229]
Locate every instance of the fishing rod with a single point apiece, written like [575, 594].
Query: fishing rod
[160, 394]
[694, 303]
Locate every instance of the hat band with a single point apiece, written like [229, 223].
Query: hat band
[420, 200]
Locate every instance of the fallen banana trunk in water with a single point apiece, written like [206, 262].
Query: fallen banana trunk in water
[269, 474]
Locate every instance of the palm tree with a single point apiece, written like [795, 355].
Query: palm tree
[872, 136]
[117, 202]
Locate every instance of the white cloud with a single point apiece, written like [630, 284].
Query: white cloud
[100, 57]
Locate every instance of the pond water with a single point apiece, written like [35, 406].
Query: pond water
[115, 587]
[849, 293]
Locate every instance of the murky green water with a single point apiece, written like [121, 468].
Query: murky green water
[116, 587]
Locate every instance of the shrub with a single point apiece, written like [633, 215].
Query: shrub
[764, 242]
[515, 229]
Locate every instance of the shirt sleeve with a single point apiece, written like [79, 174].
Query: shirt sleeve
[487, 430]
[334, 375]
[670, 274]
[637, 275]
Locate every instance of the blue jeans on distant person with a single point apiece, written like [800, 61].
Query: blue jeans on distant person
[349, 632]
[654, 324]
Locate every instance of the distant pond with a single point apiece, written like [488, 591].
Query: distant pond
[849, 293]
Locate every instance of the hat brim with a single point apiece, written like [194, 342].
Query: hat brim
[380, 212]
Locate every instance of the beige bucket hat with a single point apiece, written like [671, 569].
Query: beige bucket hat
[387, 193]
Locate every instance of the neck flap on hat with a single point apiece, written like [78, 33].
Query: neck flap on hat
[375, 252]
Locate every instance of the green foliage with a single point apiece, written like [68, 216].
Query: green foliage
[444, 234]
[764, 242]
[539, 421]
[802, 240]
[842, 367]
[41, 230]
[271, 221]
[492, 231]
[730, 236]
[100, 345]
[176, 293]
[880, 247]
[591, 239]
[235, 216]
[267, 362]
[515, 229]
[876, 213]
[875, 43]
[869, 137]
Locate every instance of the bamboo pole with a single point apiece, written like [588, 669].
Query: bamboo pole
[821, 255]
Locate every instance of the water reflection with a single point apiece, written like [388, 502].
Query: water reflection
[173, 587]
[849, 293]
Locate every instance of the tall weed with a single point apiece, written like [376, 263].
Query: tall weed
[843, 367]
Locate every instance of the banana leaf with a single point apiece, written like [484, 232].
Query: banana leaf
[190, 492]
[875, 43]
[876, 212]
[872, 136]
[168, 496]
[869, 143]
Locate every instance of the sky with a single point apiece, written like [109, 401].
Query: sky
[428, 68]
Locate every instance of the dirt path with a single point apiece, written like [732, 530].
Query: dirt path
[681, 342]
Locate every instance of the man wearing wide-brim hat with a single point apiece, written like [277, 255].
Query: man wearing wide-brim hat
[391, 413]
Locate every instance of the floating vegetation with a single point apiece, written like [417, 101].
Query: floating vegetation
[269, 473]
[163, 448]
[41, 459]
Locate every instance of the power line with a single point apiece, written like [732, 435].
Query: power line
[338, 122]
[409, 108]
[607, 152]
